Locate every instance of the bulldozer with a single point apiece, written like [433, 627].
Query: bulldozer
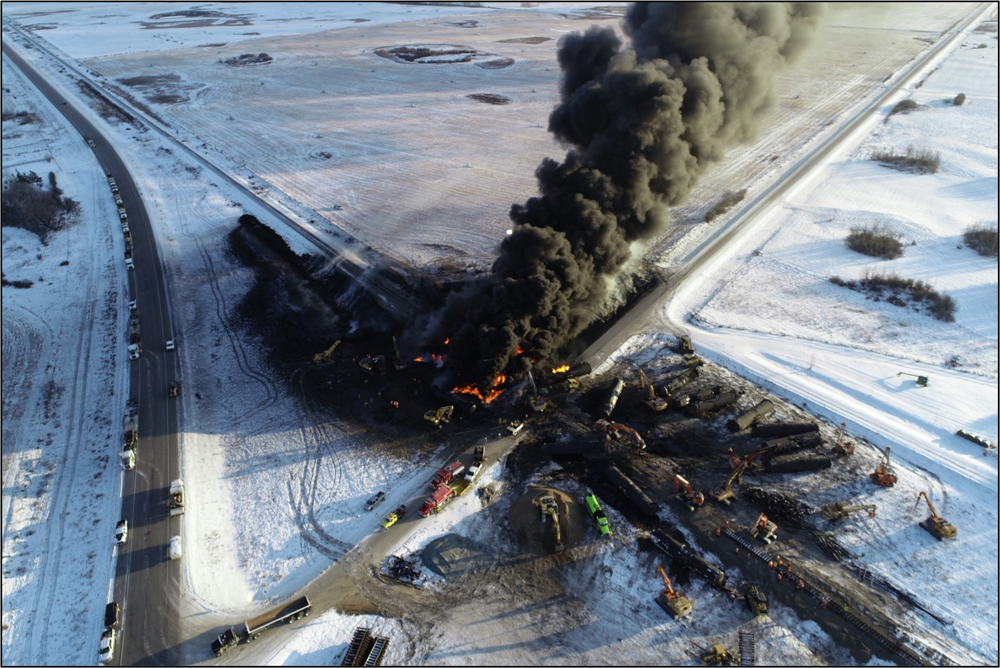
[654, 402]
[686, 494]
[841, 448]
[717, 656]
[839, 511]
[440, 416]
[373, 364]
[936, 525]
[884, 475]
[691, 361]
[326, 355]
[764, 529]
[673, 604]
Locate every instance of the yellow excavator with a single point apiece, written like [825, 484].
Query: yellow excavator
[440, 416]
[326, 355]
[654, 402]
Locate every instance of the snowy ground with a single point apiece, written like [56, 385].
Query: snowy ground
[400, 175]
[64, 388]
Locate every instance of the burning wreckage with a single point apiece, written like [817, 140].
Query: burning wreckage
[643, 121]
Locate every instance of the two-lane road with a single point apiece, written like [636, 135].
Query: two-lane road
[147, 584]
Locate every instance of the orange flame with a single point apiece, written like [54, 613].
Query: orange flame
[447, 341]
[492, 394]
[437, 360]
[561, 369]
[519, 351]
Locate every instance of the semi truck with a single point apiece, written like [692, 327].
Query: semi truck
[251, 629]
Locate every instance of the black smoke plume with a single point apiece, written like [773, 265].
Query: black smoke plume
[642, 122]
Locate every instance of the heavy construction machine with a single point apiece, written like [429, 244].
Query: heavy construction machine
[547, 504]
[373, 364]
[440, 416]
[740, 466]
[537, 403]
[691, 361]
[654, 402]
[686, 494]
[839, 511]
[936, 525]
[326, 355]
[717, 656]
[397, 360]
[673, 604]
[607, 427]
[842, 448]
[884, 475]
[764, 529]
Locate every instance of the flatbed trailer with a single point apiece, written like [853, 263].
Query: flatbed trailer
[251, 629]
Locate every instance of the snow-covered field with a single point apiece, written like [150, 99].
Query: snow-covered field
[399, 172]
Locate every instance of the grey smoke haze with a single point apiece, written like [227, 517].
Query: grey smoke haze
[641, 121]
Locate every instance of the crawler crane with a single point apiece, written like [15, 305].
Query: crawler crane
[936, 525]
[325, 356]
[884, 475]
[674, 604]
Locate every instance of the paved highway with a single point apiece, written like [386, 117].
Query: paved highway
[147, 584]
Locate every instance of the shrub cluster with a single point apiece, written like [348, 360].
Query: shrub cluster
[923, 161]
[875, 241]
[900, 291]
[23, 117]
[982, 238]
[26, 204]
[247, 59]
[728, 201]
[903, 105]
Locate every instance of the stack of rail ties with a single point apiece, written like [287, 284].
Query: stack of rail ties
[365, 649]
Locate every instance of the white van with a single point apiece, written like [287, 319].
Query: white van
[175, 547]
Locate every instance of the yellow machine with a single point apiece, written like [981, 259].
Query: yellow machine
[654, 402]
[440, 416]
[325, 356]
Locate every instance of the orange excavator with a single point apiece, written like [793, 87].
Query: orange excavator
[674, 604]
[936, 525]
[654, 402]
[764, 529]
[884, 475]
[607, 427]
[686, 494]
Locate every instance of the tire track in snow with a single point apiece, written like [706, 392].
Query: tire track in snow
[239, 352]
[316, 442]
